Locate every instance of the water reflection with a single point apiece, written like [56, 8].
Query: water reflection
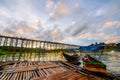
[48, 56]
[112, 60]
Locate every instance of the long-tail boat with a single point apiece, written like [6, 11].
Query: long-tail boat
[73, 58]
[90, 63]
[93, 64]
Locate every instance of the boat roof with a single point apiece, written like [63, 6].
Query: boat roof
[91, 48]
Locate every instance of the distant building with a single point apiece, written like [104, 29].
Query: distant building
[110, 44]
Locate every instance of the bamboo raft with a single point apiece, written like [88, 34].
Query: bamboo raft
[43, 70]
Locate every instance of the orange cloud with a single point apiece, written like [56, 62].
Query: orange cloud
[24, 29]
[111, 24]
[60, 10]
[56, 34]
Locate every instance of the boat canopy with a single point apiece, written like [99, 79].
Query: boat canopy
[90, 48]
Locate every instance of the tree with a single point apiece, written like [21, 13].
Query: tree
[102, 43]
[118, 44]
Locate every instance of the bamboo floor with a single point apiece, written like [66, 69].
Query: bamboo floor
[43, 70]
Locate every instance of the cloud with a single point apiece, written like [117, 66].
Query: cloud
[92, 36]
[39, 22]
[101, 37]
[53, 34]
[111, 27]
[109, 32]
[48, 34]
[111, 24]
[18, 18]
[20, 29]
[49, 4]
[60, 10]
[78, 28]
[112, 39]
[4, 12]
[99, 12]
[57, 34]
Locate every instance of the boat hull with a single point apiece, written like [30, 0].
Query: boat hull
[72, 59]
[93, 64]
[96, 65]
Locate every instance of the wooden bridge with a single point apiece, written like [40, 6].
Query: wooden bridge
[21, 49]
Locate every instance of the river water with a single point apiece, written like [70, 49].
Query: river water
[111, 59]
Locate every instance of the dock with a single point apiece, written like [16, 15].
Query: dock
[43, 70]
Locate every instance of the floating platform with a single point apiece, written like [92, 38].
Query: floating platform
[43, 70]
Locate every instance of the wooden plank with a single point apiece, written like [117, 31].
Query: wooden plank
[2, 74]
[6, 76]
[15, 77]
[10, 75]
[60, 74]
[23, 75]
[28, 68]
[2, 77]
[20, 76]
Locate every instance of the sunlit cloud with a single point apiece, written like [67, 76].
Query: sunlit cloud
[111, 24]
[112, 39]
[56, 34]
[60, 10]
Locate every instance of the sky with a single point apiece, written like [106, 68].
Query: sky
[79, 22]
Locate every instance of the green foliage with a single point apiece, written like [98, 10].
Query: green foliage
[110, 48]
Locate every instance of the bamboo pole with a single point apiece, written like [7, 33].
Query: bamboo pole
[5, 46]
[31, 49]
[35, 56]
[24, 46]
[28, 54]
[50, 49]
[26, 51]
[47, 52]
[21, 50]
[43, 53]
[5, 42]
[1, 41]
[39, 51]
[16, 43]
